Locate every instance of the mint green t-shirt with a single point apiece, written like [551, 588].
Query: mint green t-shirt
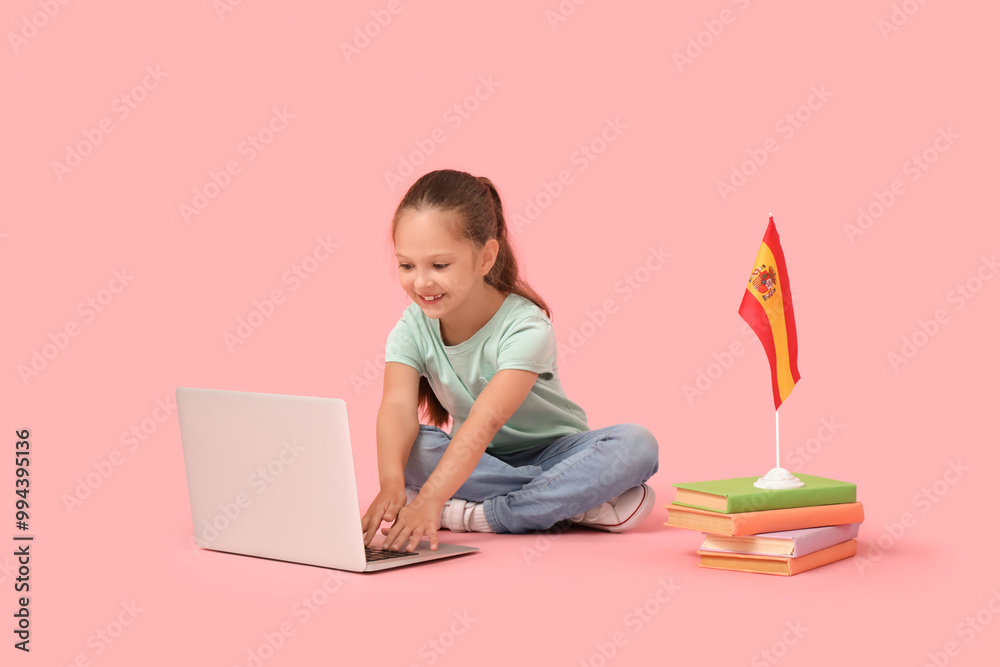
[519, 335]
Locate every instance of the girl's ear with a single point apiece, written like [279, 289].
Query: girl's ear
[488, 256]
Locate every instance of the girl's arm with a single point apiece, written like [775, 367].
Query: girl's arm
[397, 424]
[396, 428]
[493, 407]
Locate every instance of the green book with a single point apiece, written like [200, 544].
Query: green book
[730, 496]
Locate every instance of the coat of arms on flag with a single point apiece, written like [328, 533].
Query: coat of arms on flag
[764, 279]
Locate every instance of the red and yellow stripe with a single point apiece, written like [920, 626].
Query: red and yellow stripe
[773, 320]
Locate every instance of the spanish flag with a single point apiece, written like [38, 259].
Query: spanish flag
[767, 308]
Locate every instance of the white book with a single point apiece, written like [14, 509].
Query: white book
[793, 543]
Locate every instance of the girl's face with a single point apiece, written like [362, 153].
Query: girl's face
[436, 270]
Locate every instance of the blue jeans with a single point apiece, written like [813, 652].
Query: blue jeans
[537, 488]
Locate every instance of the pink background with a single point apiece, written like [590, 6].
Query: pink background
[569, 599]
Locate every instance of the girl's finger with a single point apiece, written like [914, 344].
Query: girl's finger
[370, 530]
[400, 539]
[392, 536]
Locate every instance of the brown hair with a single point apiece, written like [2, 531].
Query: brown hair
[480, 208]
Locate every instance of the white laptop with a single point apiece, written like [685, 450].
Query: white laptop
[273, 476]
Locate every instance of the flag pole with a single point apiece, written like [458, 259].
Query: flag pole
[777, 445]
[778, 477]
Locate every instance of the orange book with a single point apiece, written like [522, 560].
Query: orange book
[781, 565]
[766, 521]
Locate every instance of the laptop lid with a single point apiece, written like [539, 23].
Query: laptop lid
[271, 475]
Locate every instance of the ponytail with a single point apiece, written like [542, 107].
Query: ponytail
[505, 275]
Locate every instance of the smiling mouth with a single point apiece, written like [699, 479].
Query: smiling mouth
[432, 299]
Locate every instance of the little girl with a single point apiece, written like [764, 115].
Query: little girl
[477, 345]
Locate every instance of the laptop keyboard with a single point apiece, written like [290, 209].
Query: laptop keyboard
[378, 553]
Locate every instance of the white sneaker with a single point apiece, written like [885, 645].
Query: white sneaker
[621, 513]
[453, 516]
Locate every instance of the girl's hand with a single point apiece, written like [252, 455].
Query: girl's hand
[384, 508]
[415, 520]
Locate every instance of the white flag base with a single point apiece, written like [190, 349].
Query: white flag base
[779, 478]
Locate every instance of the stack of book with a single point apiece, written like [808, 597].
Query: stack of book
[772, 531]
